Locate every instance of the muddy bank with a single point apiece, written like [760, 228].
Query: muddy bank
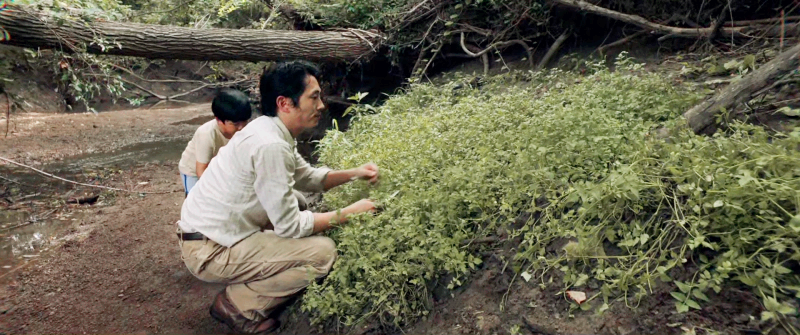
[35, 137]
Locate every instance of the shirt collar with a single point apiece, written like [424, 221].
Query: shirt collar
[287, 136]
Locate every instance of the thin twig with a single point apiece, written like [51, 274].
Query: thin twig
[752, 22]
[602, 49]
[435, 53]
[159, 96]
[78, 183]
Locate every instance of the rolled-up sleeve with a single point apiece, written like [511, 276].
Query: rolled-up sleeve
[308, 178]
[273, 165]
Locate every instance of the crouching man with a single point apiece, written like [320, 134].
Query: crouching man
[248, 187]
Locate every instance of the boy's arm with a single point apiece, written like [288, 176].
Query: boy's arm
[200, 168]
[203, 151]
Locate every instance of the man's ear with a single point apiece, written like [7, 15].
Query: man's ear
[284, 103]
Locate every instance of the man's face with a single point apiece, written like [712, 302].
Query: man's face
[308, 110]
[228, 128]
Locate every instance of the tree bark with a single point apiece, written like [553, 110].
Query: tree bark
[701, 118]
[34, 29]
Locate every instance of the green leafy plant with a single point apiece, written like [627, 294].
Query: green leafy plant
[559, 156]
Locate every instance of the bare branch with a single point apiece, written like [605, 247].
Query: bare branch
[602, 50]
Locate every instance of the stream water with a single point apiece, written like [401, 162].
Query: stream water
[27, 230]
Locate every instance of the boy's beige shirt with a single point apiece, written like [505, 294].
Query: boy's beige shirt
[203, 146]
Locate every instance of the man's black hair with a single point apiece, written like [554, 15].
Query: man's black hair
[231, 105]
[286, 79]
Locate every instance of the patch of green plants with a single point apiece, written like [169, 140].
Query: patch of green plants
[619, 196]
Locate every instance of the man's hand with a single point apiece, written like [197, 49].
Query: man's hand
[361, 206]
[335, 178]
[369, 172]
[324, 221]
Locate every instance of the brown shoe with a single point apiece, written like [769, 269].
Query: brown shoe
[223, 310]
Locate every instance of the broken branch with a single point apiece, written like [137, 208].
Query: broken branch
[642, 22]
[701, 118]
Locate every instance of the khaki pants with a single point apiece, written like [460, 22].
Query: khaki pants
[263, 270]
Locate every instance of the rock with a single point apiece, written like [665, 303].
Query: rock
[741, 318]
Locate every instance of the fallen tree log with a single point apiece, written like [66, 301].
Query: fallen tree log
[701, 118]
[36, 29]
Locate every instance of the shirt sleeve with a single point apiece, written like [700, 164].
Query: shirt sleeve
[308, 178]
[204, 147]
[272, 165]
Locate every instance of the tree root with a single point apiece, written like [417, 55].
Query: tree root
[553, 49]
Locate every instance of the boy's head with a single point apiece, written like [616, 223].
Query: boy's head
[291, 90]
[232, 110]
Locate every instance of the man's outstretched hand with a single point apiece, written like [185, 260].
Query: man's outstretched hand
[369, 172]
[361, 206]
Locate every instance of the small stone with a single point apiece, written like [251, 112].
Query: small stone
[741, 318]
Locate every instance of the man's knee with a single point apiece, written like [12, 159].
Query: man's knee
[324, 251]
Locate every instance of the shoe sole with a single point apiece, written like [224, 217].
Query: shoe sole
[219, 318]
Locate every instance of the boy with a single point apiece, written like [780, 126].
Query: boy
[232, 111]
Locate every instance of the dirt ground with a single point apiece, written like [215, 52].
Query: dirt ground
[117, 269]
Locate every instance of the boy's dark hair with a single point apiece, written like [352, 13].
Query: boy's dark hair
[231, 105]
[286, 79]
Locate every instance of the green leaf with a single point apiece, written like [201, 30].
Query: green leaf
[786, 309]
[683, 286]
[771, 304]
[699, 295]
[643, 238]
[789, 111]
[681, 307]
[582, 278]
[764, 260]
[678, 296]
[749, 61]
[604, 307]
[693, 304]
[747, 280]
[782, 270]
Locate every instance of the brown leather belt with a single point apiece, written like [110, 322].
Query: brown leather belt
[192, 236]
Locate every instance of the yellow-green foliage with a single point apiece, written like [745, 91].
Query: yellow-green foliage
[576, 151]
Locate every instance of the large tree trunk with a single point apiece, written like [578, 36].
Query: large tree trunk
[701, 118]
[33, 29]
